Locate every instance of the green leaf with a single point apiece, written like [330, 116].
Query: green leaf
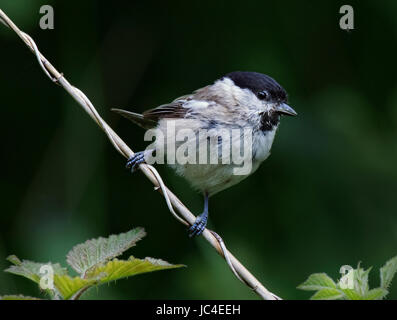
[69, 287]
[14, 260]
[318, 281]
[93, 252]
[34, 271]
[361, 280]
[118, 269]
[18, 297]
[351, 294]
[376, 294]
[387, 272]
[91, 259]
[327, 294]
[31, 270]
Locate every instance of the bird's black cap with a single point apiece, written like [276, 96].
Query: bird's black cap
[257, 83]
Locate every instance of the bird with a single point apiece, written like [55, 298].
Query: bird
[237, 101]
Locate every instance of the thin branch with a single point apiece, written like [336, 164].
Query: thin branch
[185, 216]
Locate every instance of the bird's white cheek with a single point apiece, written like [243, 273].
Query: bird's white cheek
[262, 144]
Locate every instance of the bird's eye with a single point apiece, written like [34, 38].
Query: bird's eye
[263, 95]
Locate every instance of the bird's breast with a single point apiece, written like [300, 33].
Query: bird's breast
[262, 142]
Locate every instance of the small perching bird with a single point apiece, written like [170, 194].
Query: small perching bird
[241, 109]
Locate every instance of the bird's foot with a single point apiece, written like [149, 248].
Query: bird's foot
[199, 225]
[135, 161]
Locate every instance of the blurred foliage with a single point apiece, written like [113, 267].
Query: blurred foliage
[325, 198]
[353, 285]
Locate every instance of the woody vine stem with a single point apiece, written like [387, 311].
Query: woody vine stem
[174, 204]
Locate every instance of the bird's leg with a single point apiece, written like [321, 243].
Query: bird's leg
[137, 159]
[201, 221]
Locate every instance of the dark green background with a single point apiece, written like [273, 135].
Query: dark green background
[326, 197]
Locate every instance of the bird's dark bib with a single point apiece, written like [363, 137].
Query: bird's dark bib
[269, 121]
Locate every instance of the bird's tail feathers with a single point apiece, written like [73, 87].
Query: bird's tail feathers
[137, 118]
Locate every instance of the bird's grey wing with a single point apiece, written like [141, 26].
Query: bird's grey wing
[174, 109]
[150, 117]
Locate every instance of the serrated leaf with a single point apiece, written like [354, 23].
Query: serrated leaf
[318, 281]
[351, 294]
[14, 260]
[18, 297]
[32, 270]
[361, 280]
[118, 269]
[376, 294]
[327, 294]
[68, 287]
[387, 272]
[91, 253]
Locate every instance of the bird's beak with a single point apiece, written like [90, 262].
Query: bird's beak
[285, 109]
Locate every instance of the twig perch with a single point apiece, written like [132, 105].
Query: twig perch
[185, 216]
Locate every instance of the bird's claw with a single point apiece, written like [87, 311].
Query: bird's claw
[199, 226]
[135, 161]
